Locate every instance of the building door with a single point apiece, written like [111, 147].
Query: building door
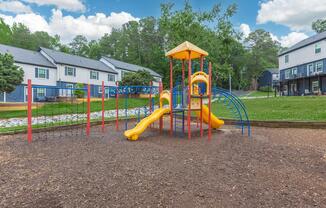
[26, 94]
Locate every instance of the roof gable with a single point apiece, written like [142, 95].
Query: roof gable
[78, 61]
[313, 39]
[26, 56]
[129, 67]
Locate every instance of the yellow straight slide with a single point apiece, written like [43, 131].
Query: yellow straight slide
[215, 122]
[134, 133]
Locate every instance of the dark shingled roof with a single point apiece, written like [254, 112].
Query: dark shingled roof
[25, 56]
[305, 42]
[273, 70]
[130, 67]
[78, 61]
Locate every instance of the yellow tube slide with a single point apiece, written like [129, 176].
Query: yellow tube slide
[215, 122]
[134, 133]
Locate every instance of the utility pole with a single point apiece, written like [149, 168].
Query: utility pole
[230, 82]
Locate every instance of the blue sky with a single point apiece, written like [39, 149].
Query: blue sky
[94, 18]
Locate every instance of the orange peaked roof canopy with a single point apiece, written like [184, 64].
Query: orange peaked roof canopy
[186, 50]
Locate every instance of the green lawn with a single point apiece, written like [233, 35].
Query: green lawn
[281, 108]
[50, 109]
[260, 94]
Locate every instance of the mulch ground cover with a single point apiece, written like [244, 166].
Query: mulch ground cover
[274, 168]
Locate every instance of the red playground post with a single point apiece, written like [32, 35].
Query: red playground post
[103, 94]
[29, 111]
[150, 100]
[117, 106]
[88, 125]
[201, 100]
[189, 96]
[209, 101]
[160, 88]
[171, 98]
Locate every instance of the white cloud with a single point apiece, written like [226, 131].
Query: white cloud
[295, 14]
[245, 29]
[291, 38]
[16, 7]
[68, 5]
[285, 41]
[93, 27]
[33, 21]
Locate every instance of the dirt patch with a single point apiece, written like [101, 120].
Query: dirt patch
[275, 168]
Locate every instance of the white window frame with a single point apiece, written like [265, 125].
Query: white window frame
[42, 69]
[100, 89]
[26, 94]
[286, 58]
[70, 69]
[111, 75]
[294, 71]
[317, 48]
[310, 69]
[319, 63]
[96, 75]
[315, 84]
[38, 92]
[287, 73]
[70, 85]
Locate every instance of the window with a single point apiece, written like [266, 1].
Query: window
[40, 92]
[315, 86]
[123, 74]
[70, 71]
[41, 73]
[287, 73]
[319, 66]
[69, 85]
[317, 48]
[100, 89]
[286, 58]
[111, 77]
[94, 75]
[310, 69]
[294, 71]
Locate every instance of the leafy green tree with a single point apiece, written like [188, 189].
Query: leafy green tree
[5, 33]
[79, 93]
[43, 39]
[10, 74]
[262, 54]
[319, 25]
[79, 46]
[140, 78]
[21, 36]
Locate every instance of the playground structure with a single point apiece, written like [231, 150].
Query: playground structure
[184, 99]
[177, 104]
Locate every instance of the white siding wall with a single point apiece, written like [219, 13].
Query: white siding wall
[303, 55]
[29, 73]
[119, 77]
[83, 76]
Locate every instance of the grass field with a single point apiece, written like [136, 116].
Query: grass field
[50, 109]
[261, 94]
[281, 108]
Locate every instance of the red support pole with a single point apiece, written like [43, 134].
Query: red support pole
[160, 88]
[103, 94]
[88, 125]
[117, 106]
[201, 100]
[201, 117]
[171, 97]
[150, 100]
[209, 101]
[183, 86]
[29, 111]
[189, 97]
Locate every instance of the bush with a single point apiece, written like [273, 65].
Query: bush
[266, 89]
[79, 93]
[140, 78]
